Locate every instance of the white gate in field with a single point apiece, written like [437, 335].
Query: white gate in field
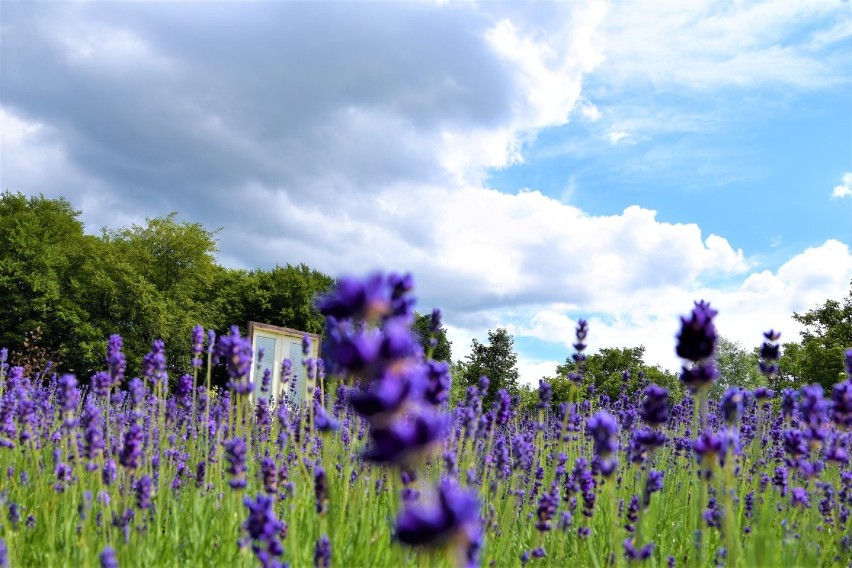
[279, 343]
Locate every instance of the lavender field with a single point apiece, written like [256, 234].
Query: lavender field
[138, 468]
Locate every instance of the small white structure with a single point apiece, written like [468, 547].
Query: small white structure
[279, 343]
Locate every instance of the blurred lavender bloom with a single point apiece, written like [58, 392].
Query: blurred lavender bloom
[236, 455]
[235, 351]
[654, 408]
[197, 346]
[653, 484]
[437, 388]
[131, 452]
[116, 362]
[761, 393]
[841, 399]
[107, 558]
[453, 518]
[101, 383]
[732, 404]
[321, 490]
[322, 553]
[403, 440]
[813, 408]
[144, 492]
[263, 530]
[545, 393]
[579, 357]
[799, 497]
[154, 363]
[698, 376]
[355, 298]
[603, 429]
[547, 509]
[697, 338]
[788, 402]
[631, 553]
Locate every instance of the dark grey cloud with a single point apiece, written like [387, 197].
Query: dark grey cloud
[179, 107]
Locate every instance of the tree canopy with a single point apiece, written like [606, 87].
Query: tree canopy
[496, 360]
[145, 282]
[818, 356]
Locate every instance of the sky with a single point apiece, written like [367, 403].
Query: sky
[529, 163]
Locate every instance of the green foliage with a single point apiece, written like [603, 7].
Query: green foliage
[42, 248]
[443, 349]
[605, 370]
[818, 357]
[496, 360]
[737, 367]
[144, 282]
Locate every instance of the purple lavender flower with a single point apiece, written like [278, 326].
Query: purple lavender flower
[131, 452]
[697, 337]
[799, 498]
[101, 384]
[263, 530]
[154, 363]
[384, 398]
[502, 408]
[437, 382]
[235, 351]
[761, 393]
[795, 443]
[841, 398]
[403, 440]
[788, 402]
[68, 397]
[653, 484]
[545, 393]
[603, 429]
[357, 299]
[547, 509]
[631, 553]
[93, 439]
[236, 455]
[654, 408]
[579, 357]
[707, 445]
[780, 480]
[813, 408]
[699, 376]
[115, 359]
[144, 491]
[322, 553]
[107, 558]
[197, 346]
[732, 404]
[452, 518]
[321, 490]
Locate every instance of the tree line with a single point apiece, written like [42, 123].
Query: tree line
[64, 292]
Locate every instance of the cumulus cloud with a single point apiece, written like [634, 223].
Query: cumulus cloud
[844, 189]
[347, 137]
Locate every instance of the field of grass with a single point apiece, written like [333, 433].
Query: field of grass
[378, 471]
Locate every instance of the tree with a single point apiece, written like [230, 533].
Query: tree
[736, 367]
[42, 247]
[443, 348]
[818, 357]
[605, 370]
[497, 361]
[145, 282]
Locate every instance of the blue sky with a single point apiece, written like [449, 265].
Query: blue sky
[530, 163]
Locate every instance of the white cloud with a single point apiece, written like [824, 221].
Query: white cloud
[355, 141]
[616, 136]
[706, 45]
[844, 189]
